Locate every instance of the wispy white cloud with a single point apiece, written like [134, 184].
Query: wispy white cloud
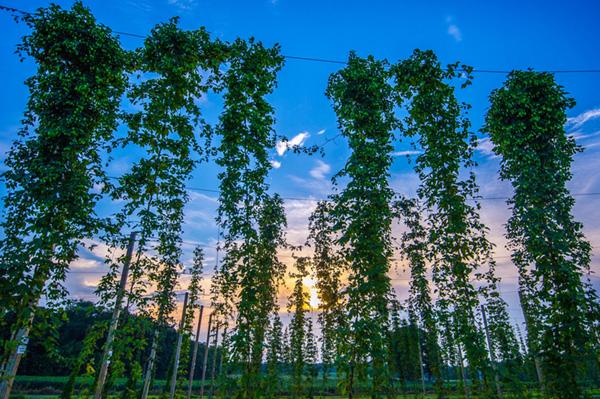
[140, 5]
[486, 147]
[403, 153]
[320, 132]
[453, 29]
[319, 171]
[298, 140]
[195, 196]
[577, 121]
[182, 4]
[455, 32]
[297, 213]
[580, 136]
[275, 164]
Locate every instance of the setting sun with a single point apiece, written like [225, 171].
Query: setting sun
[313, 301]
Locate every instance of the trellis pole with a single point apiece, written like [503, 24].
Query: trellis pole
[214, 361]
[114, 323]
[178, 349]
[205, 362]
[194, 354]
[491, 351]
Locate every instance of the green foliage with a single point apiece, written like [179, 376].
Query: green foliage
[174, 69]
[252, 221]
[298, 304]
[56, 178]
[275, 357]
[71, 112]
[328, 269]
[363, 101]
[310, 357]
[526, 124]
[457, 244]
[195, 292]
[404, 355]
[415, 250]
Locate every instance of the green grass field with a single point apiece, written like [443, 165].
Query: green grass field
[49, 387]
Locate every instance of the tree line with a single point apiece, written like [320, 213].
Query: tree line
[90, 98]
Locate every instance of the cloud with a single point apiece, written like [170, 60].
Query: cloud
[298, 140]
[281, 148]
[319, 171]
[583, 136]
[275, 164]
[407, 152]
[85, 264]
[486, 147]
[119, 166]
[577, 121]
[182, 4]
[455, 32]
[140, 5]
[297, 213]
[320, 132]
[453, 29]
[195, 196]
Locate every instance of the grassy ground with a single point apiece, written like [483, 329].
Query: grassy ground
[49, 387]
[205, 397]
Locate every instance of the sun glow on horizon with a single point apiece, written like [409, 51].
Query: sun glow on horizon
[313, 293]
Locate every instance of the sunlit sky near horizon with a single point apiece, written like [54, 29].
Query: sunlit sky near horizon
[544, 35]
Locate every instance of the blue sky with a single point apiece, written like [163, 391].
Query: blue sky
[488, 35]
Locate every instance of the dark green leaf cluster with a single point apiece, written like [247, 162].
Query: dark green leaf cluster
[415, 250]
[298, 305]
[456, 241]
[364, 103]
[526, 124]
[328, 267]
[252, 221]
[55, 168]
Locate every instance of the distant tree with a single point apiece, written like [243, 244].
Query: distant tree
[287, 354]
[505, 346]
[328, 269]
[415, 250]
[311, 358]
[298, 304]
[275, 354]
[526, 124]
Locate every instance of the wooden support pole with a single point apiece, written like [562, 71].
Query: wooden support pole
[491, 351]
[21, 336]
[194, 354]
[150, 364]
[114, 322]
[222, 350]
[205, 362]
[12, 363]
[422, 368]
[463, 372]
[214, 362]
[178, 349]
[529, 327]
